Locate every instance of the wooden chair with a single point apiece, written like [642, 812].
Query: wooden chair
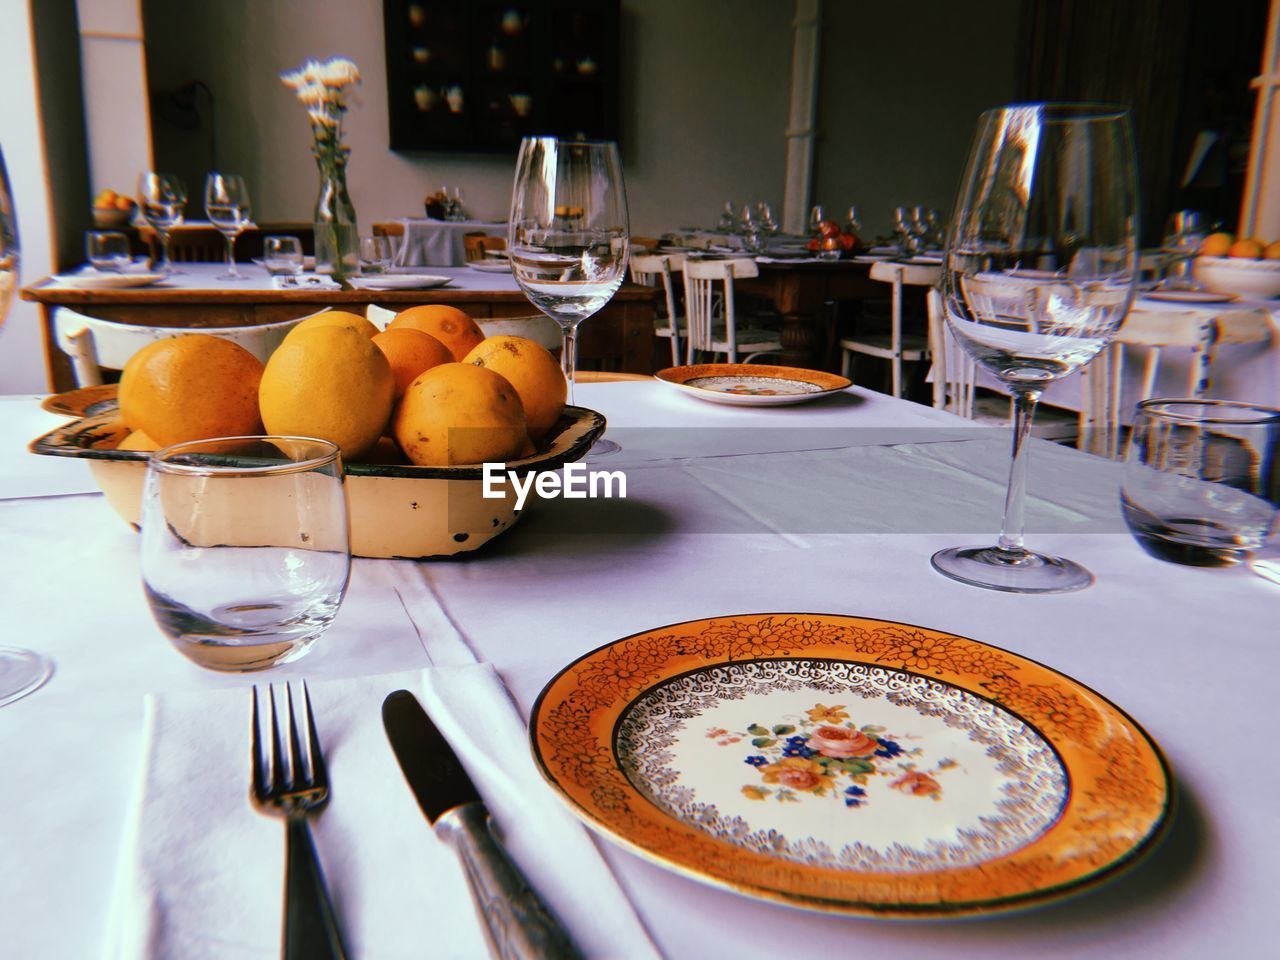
[188, 244]
[475, 244]
[895, 346]
[95, 345]
[388, 228]
[644, 244]
[648, 270]
[709, 333]
[1201, 330]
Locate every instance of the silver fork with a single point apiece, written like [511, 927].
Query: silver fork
[310, 926]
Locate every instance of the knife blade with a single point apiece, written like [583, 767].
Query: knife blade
[517, 923]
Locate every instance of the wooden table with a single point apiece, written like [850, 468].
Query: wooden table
[619, 337]
[801, 291]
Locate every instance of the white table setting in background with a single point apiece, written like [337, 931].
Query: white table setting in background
[439, 243]
[737, 530]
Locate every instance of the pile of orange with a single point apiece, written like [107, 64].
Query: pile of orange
[1251, 248]
[429, 390]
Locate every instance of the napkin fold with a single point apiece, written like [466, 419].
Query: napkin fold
[305, 281]
[202, 872]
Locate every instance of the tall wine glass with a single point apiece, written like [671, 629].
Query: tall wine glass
[568, 236]
[226, 203]
[161, 199]
[1042, 258]
[21, 671]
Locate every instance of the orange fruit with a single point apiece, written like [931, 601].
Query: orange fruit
[1272, 251]
[1251, 249]
[1216, 244]
[137, 440]
[534, 373]
[459, 413]
[386, 451]
[449, 325]
[337, 318]
[329, 382]
[191, 388]
[410, 352]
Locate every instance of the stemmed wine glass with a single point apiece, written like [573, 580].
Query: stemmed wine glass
[568, 236]
[161, 199]
[1040, 269]
[21, 671]
[226, 203]
[1183, 235]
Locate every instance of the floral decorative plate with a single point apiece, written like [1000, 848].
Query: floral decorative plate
[752, 384]
[851, 765]
[83, 401]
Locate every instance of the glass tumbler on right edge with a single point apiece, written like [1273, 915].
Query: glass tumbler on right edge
[245, 547]
[1201, 482]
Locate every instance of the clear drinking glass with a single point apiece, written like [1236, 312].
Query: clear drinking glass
[816, 215]
[21, 671]
[226, 202]
[853, 223]
[282, 256]
[1183, 234]
[245, 548]
[375, 254]
[568, 236]
[161, 200]
[1201, 480]
[1042, 259]
[107, 251]
[902, 229]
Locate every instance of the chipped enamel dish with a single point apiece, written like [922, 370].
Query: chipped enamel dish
[851, 765]
[400, 512]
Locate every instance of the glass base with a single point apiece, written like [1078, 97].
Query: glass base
[21, 672]
[231, 275]
[602, 448]
[1012, 572]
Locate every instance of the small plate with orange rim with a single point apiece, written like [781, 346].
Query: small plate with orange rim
[752, 384]
[83, 401]
[852, 765]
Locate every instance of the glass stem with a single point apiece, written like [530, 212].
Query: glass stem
[1011, 529]
[569, 355]
[231, 253]
[164, 249]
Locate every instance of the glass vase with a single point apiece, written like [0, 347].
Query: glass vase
[337, 235]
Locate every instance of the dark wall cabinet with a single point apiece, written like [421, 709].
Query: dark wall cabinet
[477, 76]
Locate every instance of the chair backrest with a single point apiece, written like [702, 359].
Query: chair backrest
[700, 278]
[379, 316]
[648, 269]
[954, 371]
[475, 244]
[93, 344]
[389, 228]
[188, 244]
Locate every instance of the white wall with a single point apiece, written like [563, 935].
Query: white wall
[115, 92]
[704, 106]
[901, 88]
[21, 355]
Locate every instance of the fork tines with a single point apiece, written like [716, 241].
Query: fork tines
[276, 774]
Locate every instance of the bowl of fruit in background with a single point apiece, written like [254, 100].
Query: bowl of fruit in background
[1248, 267]
[112, 210]
[833, 242]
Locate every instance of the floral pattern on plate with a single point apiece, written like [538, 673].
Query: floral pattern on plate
[929, 688]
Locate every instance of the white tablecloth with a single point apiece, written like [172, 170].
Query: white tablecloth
[438, 243]
[1187, 651]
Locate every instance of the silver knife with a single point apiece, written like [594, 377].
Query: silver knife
[518, 925]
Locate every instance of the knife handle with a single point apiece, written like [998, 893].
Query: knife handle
[518, 925]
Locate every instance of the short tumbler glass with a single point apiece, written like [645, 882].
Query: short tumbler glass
[282, 256]
[245, 547]
[1201, 481]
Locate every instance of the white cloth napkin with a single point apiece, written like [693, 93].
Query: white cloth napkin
[305, 281]
[202, 872]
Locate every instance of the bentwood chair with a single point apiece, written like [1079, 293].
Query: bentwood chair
[895, 346]
[475, 244]
[651, 269]
[93, 345]
[714, 334]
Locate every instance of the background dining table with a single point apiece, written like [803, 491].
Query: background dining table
[428, 242]
[833, 506]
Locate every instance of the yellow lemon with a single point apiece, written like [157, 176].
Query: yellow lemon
[458, 413]
[329, 382]
[534, 373]
[449, 325]
[191, 388]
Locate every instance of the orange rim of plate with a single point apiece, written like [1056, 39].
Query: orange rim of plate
[76, 403]
[819, 378]
[1119, 794]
